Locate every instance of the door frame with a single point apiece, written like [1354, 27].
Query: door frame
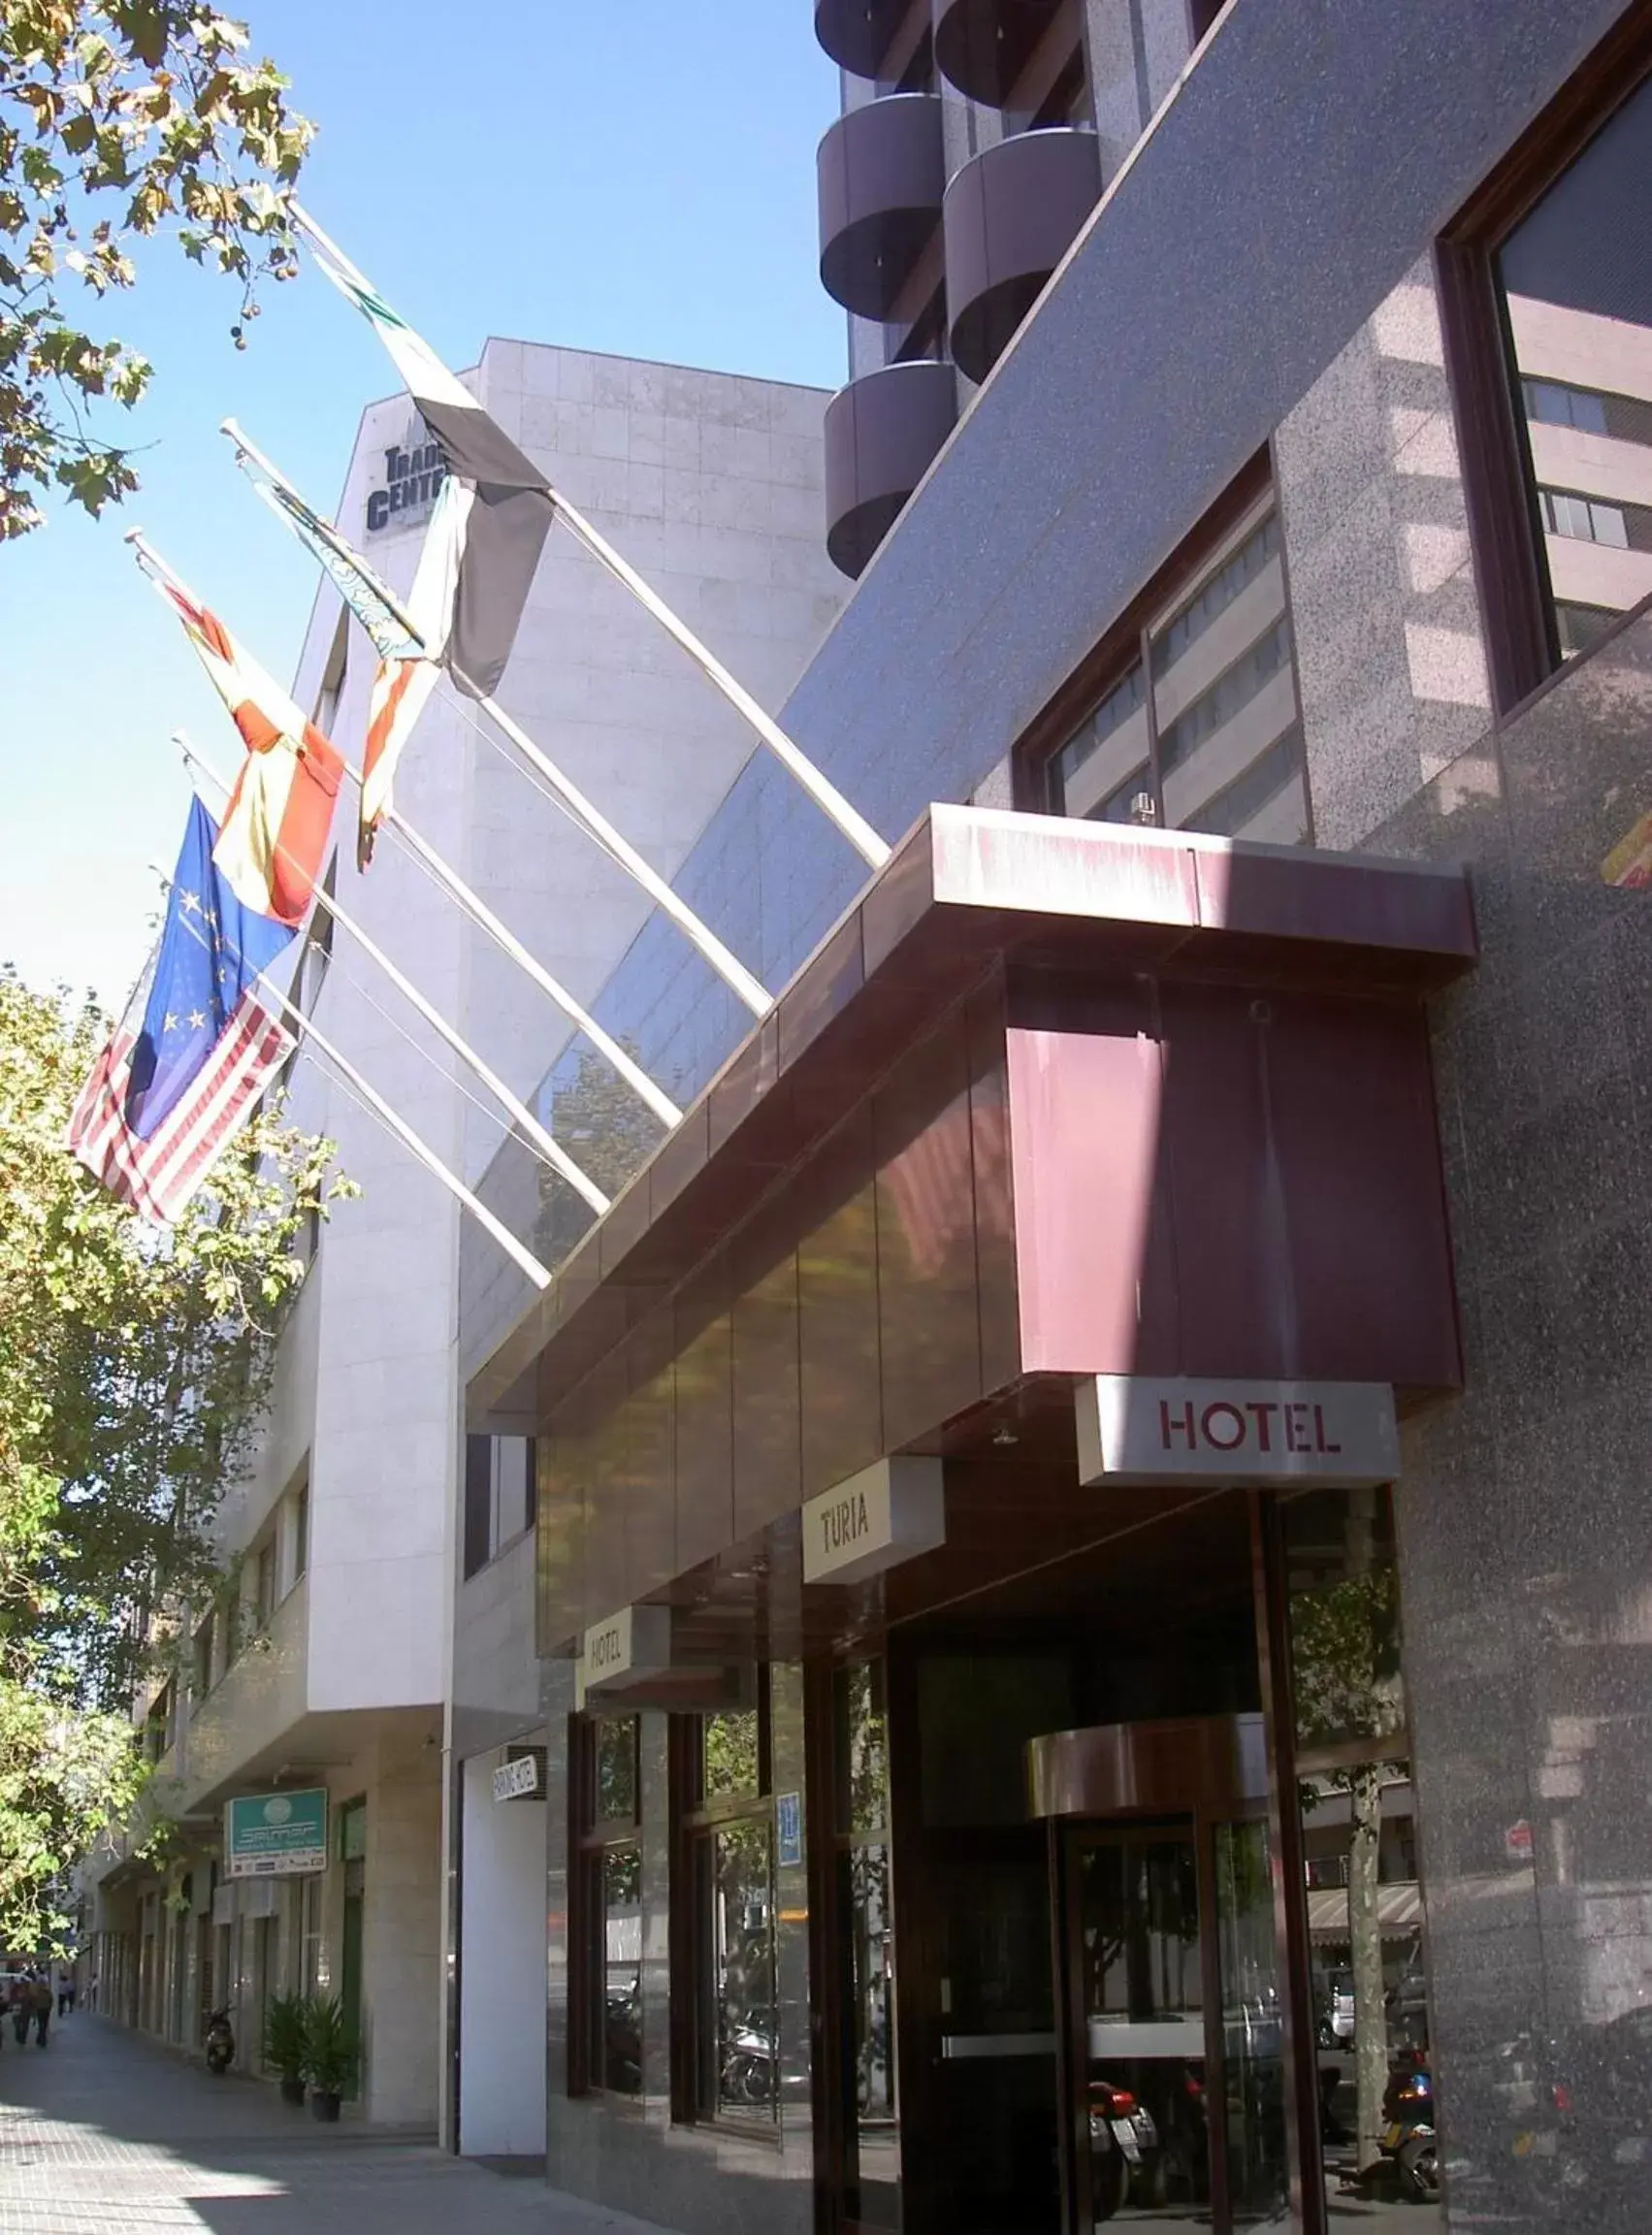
[1068, 1840]
[1110, 1781]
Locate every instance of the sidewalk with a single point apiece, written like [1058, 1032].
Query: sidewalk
[101, 2131]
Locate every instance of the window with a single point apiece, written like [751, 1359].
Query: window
[1365, 1913]
[157, 1725]
[499, 1495]
[609, 1914]
[352, 1832]
[1547, 286]
[1195, 724]
[865, 1937]
[264, 1584]
[204, 1646]
[300, 1531]
[1586, 520]
[728, 1838]
[478, 1496]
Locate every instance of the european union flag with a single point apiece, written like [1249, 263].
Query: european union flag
[211, 951]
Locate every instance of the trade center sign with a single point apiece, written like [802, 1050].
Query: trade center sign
[277, 1835]
[407, 491]
[1135, 1429]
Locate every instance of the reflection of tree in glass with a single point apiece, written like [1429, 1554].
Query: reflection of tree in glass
[1346, 1641]
[743, 1940]
[869, 1951]
[616, 1770]
[1142, 1927]
[607, 1132]
[622, 1987]
[622, 1878]
[730, 1754]
[864, 1757]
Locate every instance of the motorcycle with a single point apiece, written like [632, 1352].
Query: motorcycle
[1124, 2149]
[1409, 2140]
[218, 2042]
[748, 2067]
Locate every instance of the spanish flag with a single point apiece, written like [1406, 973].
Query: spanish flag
[274, 837]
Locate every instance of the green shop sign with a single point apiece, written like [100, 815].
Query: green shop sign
[276, 1834]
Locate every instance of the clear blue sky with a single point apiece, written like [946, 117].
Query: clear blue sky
[635, 176]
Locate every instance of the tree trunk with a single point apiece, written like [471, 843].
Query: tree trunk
[1365, 1935]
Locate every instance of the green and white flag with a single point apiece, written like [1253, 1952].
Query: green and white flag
[504, 529]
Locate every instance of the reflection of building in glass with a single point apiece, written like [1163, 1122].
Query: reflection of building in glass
[1577, 296]
[1213, 744]
[1586, 385]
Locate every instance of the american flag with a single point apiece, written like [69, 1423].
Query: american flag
[186, 1065]
[158, 1175]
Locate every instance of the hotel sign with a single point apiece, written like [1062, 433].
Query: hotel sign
[631, 1644]
[889, 1513]
[1135, 1429]
[522, 1777]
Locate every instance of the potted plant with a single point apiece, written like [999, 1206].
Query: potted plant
[330, 2056]
[285, 2018]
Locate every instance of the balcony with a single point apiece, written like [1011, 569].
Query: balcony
[983, 46]
[1011, 214]
[881, 433]
[856, 33]
[881, 174]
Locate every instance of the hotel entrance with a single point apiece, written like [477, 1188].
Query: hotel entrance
[1170, 2055]
[1065, 1925]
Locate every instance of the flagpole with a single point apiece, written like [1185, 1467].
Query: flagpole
[727, 965]
[245, 448]
[404, 1132]
[826, 794]
[552, 1148]
[628, 1069]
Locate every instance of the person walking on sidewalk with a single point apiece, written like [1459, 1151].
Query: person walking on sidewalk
[20, 2003]
[42, 1996]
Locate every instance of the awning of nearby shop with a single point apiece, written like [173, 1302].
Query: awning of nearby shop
[1399, 1911]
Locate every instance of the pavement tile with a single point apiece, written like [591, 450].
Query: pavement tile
[103, 2133]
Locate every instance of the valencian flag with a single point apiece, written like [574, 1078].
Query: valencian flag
[185, 1066]
[280, 815]
[498, 522]
[407, 672]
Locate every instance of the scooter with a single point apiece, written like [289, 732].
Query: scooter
[218, 2042]
[1408, 2138]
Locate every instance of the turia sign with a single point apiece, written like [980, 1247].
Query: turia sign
[889, 1513]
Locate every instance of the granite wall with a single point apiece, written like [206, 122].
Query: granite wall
[1524, 1519]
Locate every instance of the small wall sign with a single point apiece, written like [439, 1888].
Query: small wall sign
[523, 1776]
[789, 1830]
[276, 1834]
[1134, 1429]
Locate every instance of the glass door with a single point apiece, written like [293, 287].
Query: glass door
[1137, 1987]
[1173, 2033]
